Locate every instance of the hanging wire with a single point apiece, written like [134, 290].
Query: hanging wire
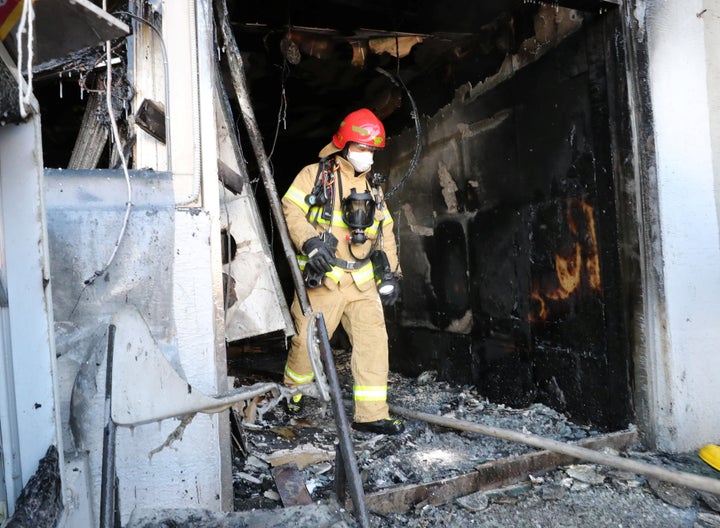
[281, 118]
[397, 81]
[166, 75]
[121, 155]
[282, 108]
[26, 24]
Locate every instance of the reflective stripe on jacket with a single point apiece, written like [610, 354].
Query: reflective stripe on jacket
[305, 222]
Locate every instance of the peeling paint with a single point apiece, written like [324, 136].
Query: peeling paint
[468, 130]
[449, 188]
[413, 223]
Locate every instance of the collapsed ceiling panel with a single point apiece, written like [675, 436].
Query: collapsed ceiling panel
[60, 28]
[63, 27]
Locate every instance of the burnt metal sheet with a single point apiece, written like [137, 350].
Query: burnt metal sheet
[85, 210]
[66, 26]
[151, 118]
[290, 485]
[255, 304]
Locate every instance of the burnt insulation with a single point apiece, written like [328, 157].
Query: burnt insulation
[40, 502]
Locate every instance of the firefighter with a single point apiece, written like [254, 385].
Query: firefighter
[340, 225]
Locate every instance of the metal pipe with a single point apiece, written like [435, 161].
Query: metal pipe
[238, 79]
[166, 73]
[351, 472]
[108, 489]
[195, 92]
[680, 478]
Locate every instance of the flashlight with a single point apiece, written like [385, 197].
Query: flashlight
[384, 277]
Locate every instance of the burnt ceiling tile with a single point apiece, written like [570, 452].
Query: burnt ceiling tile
[349, 16]
[63, 27]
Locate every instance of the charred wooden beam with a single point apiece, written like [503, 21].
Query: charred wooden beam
[237, 72]
[681, 478]
[491, 475]
[127, 149]
[92, 137]
[3, 294]
[64, 27]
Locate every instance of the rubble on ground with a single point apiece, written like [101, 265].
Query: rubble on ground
[566, 496]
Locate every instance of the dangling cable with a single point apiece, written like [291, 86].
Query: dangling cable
[282, 109]
[418, 136]
[281, 118]
[196, 107]
[166, 74]
[118, 146]
[26, 23]
[418, 132]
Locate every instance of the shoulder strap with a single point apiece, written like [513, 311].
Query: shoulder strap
[322, 194]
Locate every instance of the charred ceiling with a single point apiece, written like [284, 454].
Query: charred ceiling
[310, 62]
[404, 16]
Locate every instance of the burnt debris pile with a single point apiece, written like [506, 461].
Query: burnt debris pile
[436, 476]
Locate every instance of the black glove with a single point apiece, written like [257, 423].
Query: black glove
[389, 298]
[319, 255]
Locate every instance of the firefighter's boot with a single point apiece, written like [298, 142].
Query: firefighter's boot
[391, 426]
[294, 405]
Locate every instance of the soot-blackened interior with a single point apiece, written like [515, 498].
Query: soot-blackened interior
[507, 226]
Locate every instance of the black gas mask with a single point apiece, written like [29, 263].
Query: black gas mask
[358, 212]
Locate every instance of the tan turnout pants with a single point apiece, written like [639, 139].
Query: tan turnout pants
[362, 317]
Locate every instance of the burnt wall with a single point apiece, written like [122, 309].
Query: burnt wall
[509, 242]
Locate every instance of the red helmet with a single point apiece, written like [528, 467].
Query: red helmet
[360, 126]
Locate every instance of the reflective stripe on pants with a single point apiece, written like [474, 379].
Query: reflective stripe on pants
[361, 315]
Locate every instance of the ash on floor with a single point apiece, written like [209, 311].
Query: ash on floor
[571, 496]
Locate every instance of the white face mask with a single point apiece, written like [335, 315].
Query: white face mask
[361, 161]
